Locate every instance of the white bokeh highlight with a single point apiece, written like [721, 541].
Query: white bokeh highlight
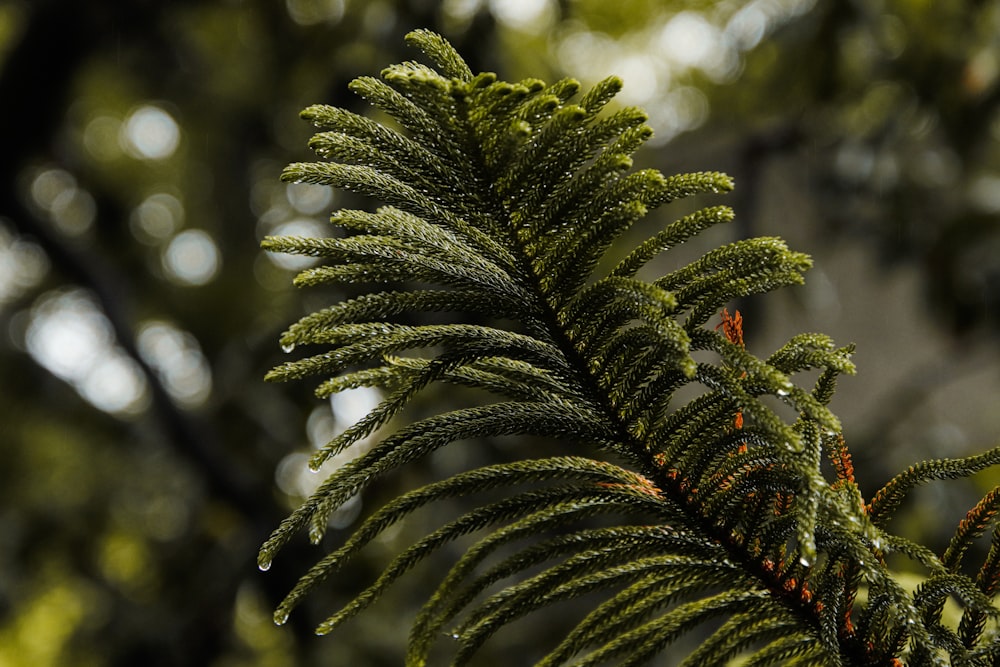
[23, 264]
[69, 336]
[178, 360]
[150, 133]
[192, 258]
[157, 218]
[533, 16]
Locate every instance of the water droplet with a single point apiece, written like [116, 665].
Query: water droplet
[807, 550]
[280, 617]
[264, 565]
[287, 347]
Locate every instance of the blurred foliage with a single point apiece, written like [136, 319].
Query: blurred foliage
[143, 141]
[899, 110]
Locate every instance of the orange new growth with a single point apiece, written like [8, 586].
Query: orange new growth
[732, 329]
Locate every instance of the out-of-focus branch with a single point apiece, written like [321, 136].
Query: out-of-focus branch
[35, 86]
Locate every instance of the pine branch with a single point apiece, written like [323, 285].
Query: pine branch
[503, 200]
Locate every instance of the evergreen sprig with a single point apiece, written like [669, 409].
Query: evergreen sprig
[501, 200]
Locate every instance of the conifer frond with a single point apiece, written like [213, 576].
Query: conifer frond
[887, 500]
[501, 200]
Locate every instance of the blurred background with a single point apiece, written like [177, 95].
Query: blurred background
[144, 460]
